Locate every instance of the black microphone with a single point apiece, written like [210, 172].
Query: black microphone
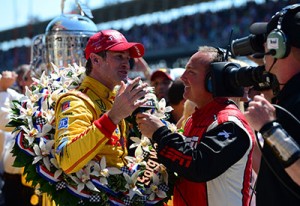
[271, 52]
[261, 55]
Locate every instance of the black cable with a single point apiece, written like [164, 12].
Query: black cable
[287, 113]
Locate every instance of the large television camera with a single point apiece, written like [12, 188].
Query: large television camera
[229, 79]
[249, 45]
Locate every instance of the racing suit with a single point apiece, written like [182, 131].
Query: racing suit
[212, 157]
[84, 132]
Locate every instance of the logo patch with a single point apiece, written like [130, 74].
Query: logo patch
[272, 43]
[224, 134]
[65, 106]
[192, 142]
[64, 123]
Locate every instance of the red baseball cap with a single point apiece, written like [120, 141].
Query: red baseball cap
[112, 40]
[162, 72]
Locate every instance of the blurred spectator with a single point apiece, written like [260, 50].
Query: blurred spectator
[161, 81]
[176, 100]
[12, 175]
[24, 77]
[7, 78]
[188, 110]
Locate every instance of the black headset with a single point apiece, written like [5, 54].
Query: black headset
[221, 57]
[277, 41]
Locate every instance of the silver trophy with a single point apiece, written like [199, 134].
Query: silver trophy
[64, 41]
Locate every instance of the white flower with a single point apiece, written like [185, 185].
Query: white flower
[29, 134]
[138, 159]
[43, 81]
[143, 142]
[47, 113]
[67, 76]
[154, 190]
[131, 184]
[164, 174]
[82, 179]
[28, 110]
[59, 171]
[103, 172]
[31, 95]
[162, 109]
[42, 152]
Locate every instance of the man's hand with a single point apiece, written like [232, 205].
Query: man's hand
[7, 79]
[260, 112]
[127, 100]
[148, 124]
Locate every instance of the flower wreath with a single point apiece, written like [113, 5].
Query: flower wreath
[143, 181]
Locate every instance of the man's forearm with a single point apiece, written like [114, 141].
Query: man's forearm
[282, 144]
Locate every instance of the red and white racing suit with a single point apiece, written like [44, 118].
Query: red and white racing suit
[212, 157]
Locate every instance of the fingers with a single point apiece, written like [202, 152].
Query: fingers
[132, 84]
[122, 87]
[260, 102]
[139, 91]
[141, 117]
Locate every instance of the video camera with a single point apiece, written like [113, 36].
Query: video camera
[228, 79]
[252, 44]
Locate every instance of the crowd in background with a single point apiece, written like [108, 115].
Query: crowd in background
[212, 28]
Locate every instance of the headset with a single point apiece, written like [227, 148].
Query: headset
[277, 41]
[221, 57]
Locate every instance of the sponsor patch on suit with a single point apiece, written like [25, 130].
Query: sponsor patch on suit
[65, 106]
[63, 123]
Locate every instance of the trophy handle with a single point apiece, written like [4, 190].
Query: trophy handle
[38, 55]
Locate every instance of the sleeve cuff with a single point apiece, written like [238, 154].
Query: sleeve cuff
[105, 125]
[267, 127]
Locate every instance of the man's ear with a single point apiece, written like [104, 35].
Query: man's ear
[94, 58]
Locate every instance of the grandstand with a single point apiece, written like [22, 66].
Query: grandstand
[167, 43]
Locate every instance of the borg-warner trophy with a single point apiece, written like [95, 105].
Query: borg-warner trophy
[63, 42]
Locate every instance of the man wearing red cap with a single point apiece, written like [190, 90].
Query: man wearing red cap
[161, 81]
[89, 122]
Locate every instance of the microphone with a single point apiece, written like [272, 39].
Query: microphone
[261, 55]
[271, 52]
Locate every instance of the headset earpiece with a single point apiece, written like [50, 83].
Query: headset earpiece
[277, 44]
[208, 82]
[221, 57]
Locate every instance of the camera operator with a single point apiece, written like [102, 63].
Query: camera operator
[279, 174]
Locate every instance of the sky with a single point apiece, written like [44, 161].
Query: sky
[15, 13]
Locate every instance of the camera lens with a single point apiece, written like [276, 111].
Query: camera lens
[247, 76]
[248, 45]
